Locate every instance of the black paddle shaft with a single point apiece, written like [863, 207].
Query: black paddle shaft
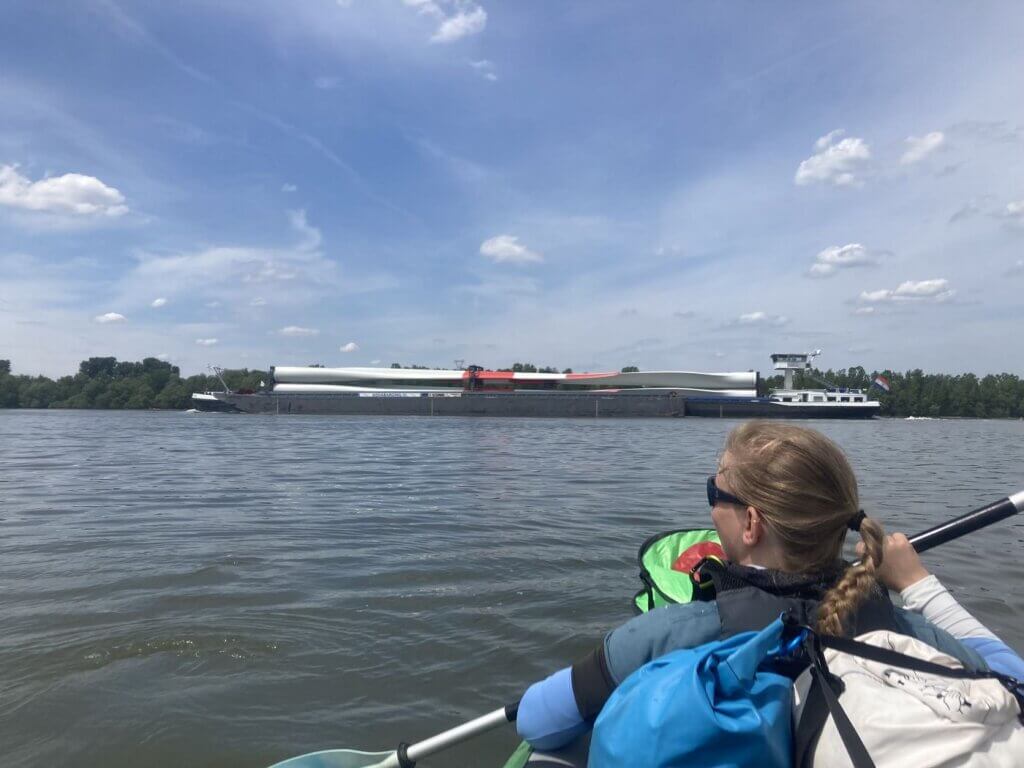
[960, 526]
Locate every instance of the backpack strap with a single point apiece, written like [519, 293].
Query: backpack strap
[903, 661]
[823, 691]
[823, 695]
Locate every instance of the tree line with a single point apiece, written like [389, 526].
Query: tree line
[916, 393]
[105, 382]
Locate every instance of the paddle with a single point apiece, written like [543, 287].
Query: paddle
[407, 755]
[972, 521]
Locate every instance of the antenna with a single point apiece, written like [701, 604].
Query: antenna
[219, 373]
[460, 365]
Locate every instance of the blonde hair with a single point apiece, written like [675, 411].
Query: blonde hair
[804, 488]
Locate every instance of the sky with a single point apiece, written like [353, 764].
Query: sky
[688, 186]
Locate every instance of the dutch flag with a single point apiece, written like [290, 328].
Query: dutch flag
[881, 382]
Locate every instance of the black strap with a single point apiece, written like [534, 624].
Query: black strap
[822, 680]
[822, 691]
[902, 660]
[813, 717]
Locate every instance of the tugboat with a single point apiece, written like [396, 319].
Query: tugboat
[789, 403]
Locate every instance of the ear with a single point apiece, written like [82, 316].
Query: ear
[753, 528]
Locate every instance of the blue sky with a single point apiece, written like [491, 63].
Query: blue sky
[585, 184]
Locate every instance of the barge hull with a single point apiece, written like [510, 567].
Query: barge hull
[560, 405]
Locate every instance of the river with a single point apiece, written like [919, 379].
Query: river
[223, 590]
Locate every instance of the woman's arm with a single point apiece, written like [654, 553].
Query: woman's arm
[903, 571]
[559, 708]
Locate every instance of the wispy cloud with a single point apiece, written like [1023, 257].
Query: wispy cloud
[506, 249]
[919, 147]
[206, 342]
[298, 331]
[936, 290]
[837, 161]
[485, 68]
[829, 261]
[966, 211]
[157, 303]
[131, 29]
[760, 317]
[456, 18]
[110, 317]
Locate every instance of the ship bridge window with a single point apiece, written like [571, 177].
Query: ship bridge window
[831, 398]
[844, 399]
[819, 399]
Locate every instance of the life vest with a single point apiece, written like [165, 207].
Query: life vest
[749, 599]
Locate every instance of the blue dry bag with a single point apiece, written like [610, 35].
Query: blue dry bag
[715, 705]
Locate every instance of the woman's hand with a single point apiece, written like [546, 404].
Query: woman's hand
[901, 566]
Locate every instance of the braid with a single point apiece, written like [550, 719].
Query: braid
[856, 583]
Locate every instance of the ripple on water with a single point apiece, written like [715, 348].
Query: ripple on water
[227, 591]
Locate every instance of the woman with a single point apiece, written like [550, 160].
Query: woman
[782, 500]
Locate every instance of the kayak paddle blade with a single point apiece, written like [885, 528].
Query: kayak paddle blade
[334, 758]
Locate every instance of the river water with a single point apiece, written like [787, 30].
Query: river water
[216, 590]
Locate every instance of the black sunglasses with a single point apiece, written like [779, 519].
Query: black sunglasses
[716, 495]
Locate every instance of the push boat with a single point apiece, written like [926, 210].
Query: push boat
[474, 391]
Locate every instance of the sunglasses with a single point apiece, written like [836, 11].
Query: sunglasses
[717, 496]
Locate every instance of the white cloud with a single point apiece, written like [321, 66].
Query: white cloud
[761, 318]
[206, 342]
[485, 68]
[110, 317]
[936, 290]
[297, 330]
[883, 294]
[507, 248]
[864, 311]
[375, 362]
[288, 188]
[1016, 269]
[163, 356]
[157, 303]
[258, 301]
[920, 147]
[462, 24]
[1015, 209]
[835, 162]
[71, 193]
[350, 347]
[826, 141]
[837, 257]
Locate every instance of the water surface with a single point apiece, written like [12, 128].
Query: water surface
[218, 590]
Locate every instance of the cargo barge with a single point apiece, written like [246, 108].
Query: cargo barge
[478, 392]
